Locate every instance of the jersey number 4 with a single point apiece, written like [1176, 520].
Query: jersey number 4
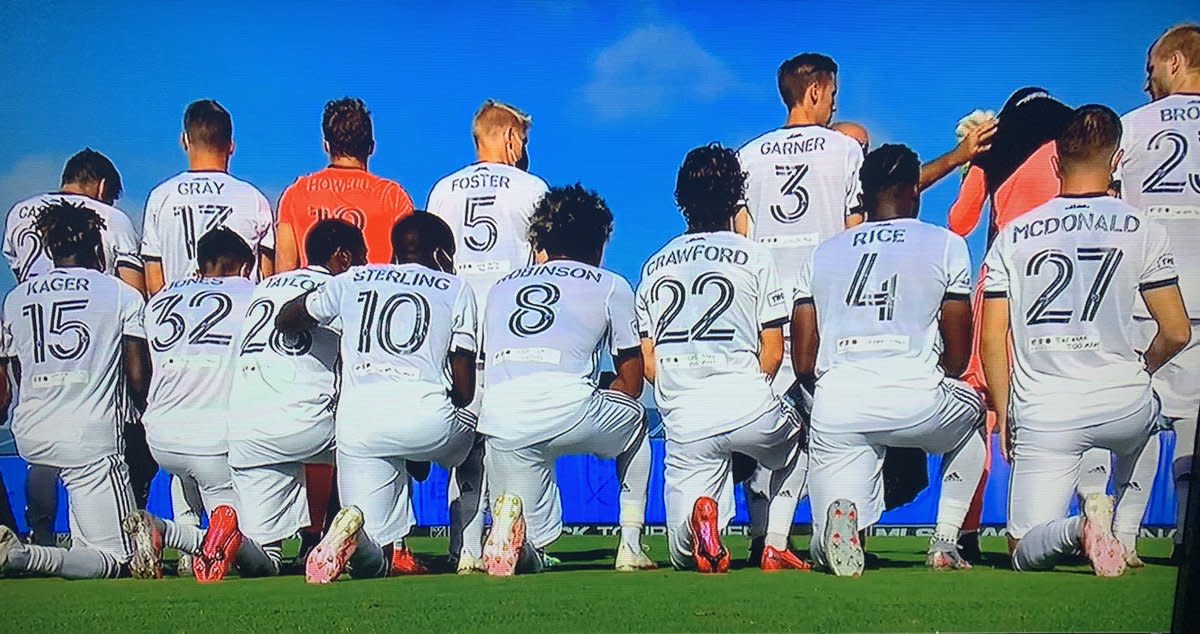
[1064, 271]
[883, 299]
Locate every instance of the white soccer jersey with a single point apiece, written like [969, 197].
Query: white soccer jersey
[65, 329]
[192, 325]
[399, 325]
[1072, 271]
[27, 255]
[185, 207]
[878, 291]
[801, 183]
[545, 329]
[1160, 174]
[285, 386]
[488, 206]
[705, 299]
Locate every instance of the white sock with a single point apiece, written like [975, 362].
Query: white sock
[1134, 475]
[633, 471]
[1045, 544]
[962, 469]
[77, 563]
[1094, 470]
[946, 532]
[788, 484]
[182, 537]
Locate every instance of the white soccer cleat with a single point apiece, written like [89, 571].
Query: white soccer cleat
[1132, 560]
[843, 549]
[945, 555]
[328, 560]
[630, 559]
[184, 567]
[468, 565]
[146, 562]
[506, 539]
[1102, 548]
[8, 541]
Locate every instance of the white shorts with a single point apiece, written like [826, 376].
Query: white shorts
[1178, 382]
[850, 465]
[273, 499]
[378, 486]
[208, 474]
[614, 422]
[703, 468]
[1046, 464]
[100, 497]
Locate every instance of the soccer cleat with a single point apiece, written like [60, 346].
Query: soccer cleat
[630, 559]
[775, 560]
[944, 555]
[404, 562]
[221, 542]
[8, 541]
[147, 545]
[328, 560]
[183, 565]
[1103, 550]
[1133, 560]
[506, 539]
[709, 553]
[843, 550]
[468, 565]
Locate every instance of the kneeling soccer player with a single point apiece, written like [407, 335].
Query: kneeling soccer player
[74, 341]
[1062, 282]
[883, 312]
[192, 328]
[407, 372]
[711, 313]
[545, 330]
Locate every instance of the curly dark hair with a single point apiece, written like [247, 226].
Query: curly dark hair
[346, 125]
[885, 167]
[418, 236]
[223, 248]
[709, 186]
[571, 221]
[329, 235]
[69, 229]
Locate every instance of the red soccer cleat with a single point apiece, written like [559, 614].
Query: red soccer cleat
[708, 551]
[776, 560]
[404, 562]
[220, 545]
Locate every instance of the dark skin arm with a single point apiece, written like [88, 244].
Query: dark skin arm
[462, 373]
[628, 364]
[137, 370]
[955, 326]
[5, 392]
[294, 317]
[805, 342]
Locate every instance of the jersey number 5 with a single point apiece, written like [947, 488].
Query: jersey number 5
[475, 216]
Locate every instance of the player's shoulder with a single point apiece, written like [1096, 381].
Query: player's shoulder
[25, 211]
[170, 185]
[243, 187]
[1169, 109]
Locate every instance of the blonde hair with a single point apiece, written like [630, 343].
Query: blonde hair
[493, 117]
[1184, 38]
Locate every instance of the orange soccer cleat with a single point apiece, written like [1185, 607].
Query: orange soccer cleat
[220, 545]
[776, 560]
[708, 551]
[404, 562]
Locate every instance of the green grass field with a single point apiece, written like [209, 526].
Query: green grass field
[586, 595]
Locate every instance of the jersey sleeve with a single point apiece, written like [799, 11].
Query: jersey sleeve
[151, 241]
[802, 292]
[465, 326]
[402, 204]
[641, 309]
[125, 243]
[267, 219]
[10, 246]
[854, 192]
[968, 207]
[996, 282]
[622, 318]
[324, 304]
[1159, 268]
[133, 311]
[773, 310]
[7, 349]
[957, 267]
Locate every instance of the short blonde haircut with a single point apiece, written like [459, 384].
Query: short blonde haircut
[494, 117]
[1184, 38]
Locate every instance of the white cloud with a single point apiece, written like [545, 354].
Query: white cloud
[651, 69]
[31, 175]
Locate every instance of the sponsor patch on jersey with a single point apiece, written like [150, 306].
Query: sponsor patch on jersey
[56, 379]
[873, 343]
[528, 355]
[691, 361]
[489, 266]
[776, 299]
[1064, 343]
[195, 361]
[1174, 212]
[388, 371]
[794, 240]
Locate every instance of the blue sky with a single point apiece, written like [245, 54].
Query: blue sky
[618, 92]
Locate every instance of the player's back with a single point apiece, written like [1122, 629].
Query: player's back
[65, 328]
[285, 385]
[191, 326]
[367, 201]
[801, 183]
[488, 206]
[545, 330]
[1073, 270]
[27, 256]
[185, 207]
[878, 291]
[705, 298]
[1160, 174]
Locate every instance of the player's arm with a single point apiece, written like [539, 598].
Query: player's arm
[294, 317]
[462, 375]
[996, 369]
[134, 277]
[742, 221]
[649, 360]
[154, 276]
[266, 262]
[1174, 329]
[630, 371]
[137, 370]
[975, 143]
[805, 342]
[770, 349]
[955, 326]
[5, 392]
[287, 256]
